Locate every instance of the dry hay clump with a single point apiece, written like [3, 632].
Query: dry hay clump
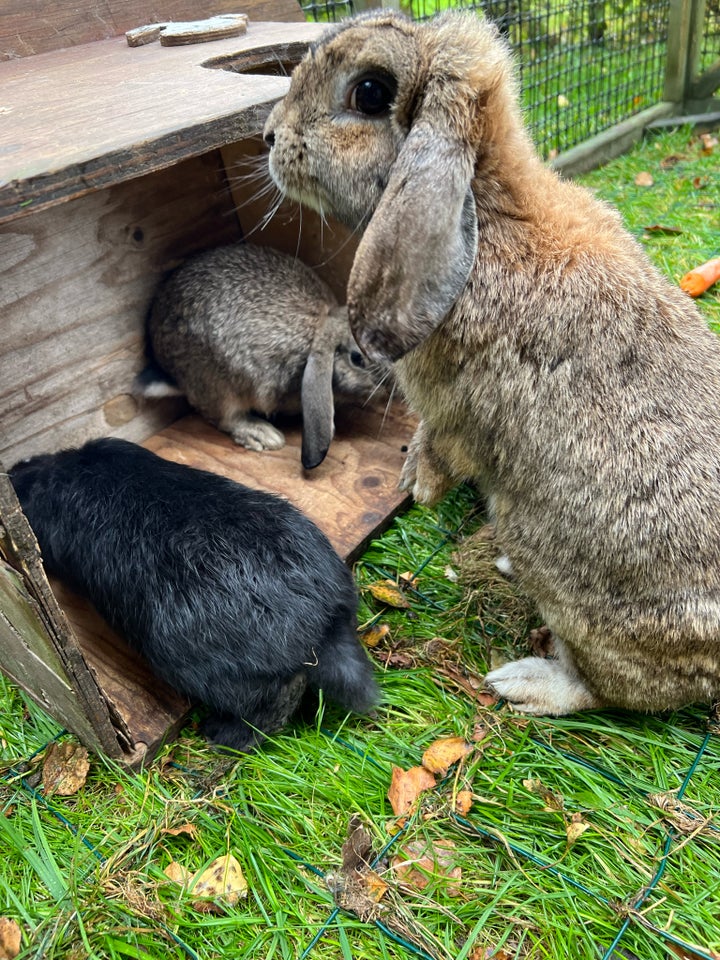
[498, 608]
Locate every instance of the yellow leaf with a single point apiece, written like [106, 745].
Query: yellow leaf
[444, 752]
[575, 829]
[388, 592]
[178, 873]
[406, 787]
[222, 880]
[184, 828]
[644, 179]
[373, 635]
[10, 938]
[375, 886]
[65, 768]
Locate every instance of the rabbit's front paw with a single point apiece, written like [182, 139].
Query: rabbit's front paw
[541, 687]
[255, 433]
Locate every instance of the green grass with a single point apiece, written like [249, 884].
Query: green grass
[97, 888]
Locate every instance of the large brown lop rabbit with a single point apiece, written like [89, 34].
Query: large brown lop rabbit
[549, 362]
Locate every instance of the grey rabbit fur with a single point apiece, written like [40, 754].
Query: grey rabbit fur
[244, 328]
[549, 362]
[234, 597]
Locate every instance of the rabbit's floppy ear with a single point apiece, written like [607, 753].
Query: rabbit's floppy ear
[316, 393]
[420, 244]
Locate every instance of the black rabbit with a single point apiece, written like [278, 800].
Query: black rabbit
[234, 597]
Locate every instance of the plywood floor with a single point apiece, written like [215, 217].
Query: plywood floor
[352, 496]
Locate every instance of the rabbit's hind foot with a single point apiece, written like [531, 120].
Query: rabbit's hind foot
[252, 432]
[542, 687]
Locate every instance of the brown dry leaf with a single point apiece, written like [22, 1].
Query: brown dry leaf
[489, 953]
[644, 179]
[681, 816]
[443, 753]
[463, 802]
[65, 768]
[10, 938]
[408, 580]
[375, 886]
[552, 800]
[485, 698]
[373, 635]
[395, 659]
[671, 160]
[690, 953]
[406, 786]
[178, 873]
[389, 593]
[420, 861]
[576, 828]
[222, 880]
[699, 183]
[480, 731]
[661, 228]
[184, 828]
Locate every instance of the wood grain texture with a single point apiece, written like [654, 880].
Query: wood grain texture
[87, 117]
[352, 496]
[30, 27]
[75, 285]
[42, 653]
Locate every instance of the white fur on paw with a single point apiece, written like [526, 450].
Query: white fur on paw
[504, 565]
[257, 435]
[540, 687]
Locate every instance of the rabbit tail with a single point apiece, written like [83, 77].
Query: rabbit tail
[344, 673]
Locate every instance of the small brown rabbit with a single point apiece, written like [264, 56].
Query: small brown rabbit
[245, 328]
[549, 362]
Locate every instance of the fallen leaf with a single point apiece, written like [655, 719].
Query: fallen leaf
[222, 880]
[699, 183]
[420, 861]
[10, 938]
[644, 179]
[375, 886]
[671, 160]
[451, 574]
[489, 953]
[691, 953]
[64, 768]
[357, 848]
[463, 802]
[480, 731]
[709, 142]
[389, 593]
[406, 786]
[660, 228]
[393, 658]
[576, 828]
[408, 580]
[178, 873]
[681, 816]
[185, 828]
[443, 753]
[373, 635]
[552, 800]
[485, 698]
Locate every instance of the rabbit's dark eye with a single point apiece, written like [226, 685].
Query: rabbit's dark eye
[357, 359]
[372, 96]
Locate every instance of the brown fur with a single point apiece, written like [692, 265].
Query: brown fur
[553, 365]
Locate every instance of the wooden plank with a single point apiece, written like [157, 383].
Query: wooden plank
[352, 496]
[79, 119]
[75, 285]
[86, 711]
[148, 707]
[30, 27]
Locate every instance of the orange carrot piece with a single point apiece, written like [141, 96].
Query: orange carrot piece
[700, 279]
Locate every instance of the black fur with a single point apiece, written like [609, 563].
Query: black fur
[234, 597]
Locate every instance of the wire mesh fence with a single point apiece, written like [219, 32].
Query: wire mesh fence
[584, 67]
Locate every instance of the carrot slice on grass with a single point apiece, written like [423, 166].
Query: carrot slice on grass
[701, 278]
